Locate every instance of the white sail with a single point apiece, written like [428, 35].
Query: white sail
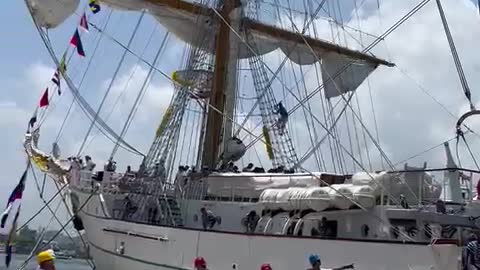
[341, 74]
[52, 13]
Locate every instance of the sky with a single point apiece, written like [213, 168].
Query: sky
[416, 103]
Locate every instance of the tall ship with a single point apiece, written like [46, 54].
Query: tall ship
[262, 154]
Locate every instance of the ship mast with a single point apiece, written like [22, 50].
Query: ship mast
[223, 94]
[227, 47]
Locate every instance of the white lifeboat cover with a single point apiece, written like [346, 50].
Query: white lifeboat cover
[286, 199]
[341, 196]
[318, 198]
[252, 184]
[269, 198]
[51, 13]
[372, 179]
[365, 195]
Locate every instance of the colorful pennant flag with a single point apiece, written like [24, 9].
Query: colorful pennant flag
[56, 81]
[84, 23]
[75, 41]
[8, 222]
[33, 120]
[94, 6]
[62, 67]
[44, 100]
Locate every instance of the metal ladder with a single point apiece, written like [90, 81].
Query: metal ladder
[171, 210]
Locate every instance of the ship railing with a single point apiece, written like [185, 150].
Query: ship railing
[200, 191]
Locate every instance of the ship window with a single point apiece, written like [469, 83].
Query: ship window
[365, 230]
[276, 225]
[325, 228]
[300, 228]
[291, 227]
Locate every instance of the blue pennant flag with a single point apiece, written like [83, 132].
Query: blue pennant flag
[8, 221]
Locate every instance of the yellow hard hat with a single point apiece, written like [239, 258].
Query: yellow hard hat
[45, 256]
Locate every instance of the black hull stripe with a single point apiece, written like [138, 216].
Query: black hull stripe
[136, 259]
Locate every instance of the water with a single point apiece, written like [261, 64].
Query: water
[17, 261]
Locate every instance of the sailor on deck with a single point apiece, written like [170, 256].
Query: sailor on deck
[249, 168]
[45, 260]
[251, 221]
[110, 166]
[282, 120]
[159, 169]
[208, 218]
[90, 165]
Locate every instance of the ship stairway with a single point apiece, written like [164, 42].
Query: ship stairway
[283, 152]
[171, 210]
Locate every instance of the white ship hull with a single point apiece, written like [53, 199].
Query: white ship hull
[160, 247]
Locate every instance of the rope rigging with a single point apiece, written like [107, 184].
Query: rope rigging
[456, 58]
[141, 93]
[89, 262]
[390, 30]
[47, 243]
[84, 105]
[353, 112]
[109, 88]
[275, 74]
[124, 90]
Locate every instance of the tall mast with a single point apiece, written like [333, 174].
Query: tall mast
[223, 86]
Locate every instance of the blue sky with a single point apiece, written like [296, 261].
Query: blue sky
[409, 120]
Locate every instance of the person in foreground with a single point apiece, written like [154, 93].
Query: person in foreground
[266, 266]
[200, 264]
[45, 260]
[315, 262]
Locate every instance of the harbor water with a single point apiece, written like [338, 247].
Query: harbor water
[18, 260]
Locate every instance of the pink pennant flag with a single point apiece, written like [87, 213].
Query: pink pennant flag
[84, 23]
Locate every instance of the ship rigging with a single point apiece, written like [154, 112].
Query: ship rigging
[328, 193]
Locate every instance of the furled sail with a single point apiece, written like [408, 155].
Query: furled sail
[196, 24]
[51, 13]
[340, 75]
[199, 82]
[197, 30]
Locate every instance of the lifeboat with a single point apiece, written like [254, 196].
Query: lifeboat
[341, 196]
[364, 195]
[318, 198]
